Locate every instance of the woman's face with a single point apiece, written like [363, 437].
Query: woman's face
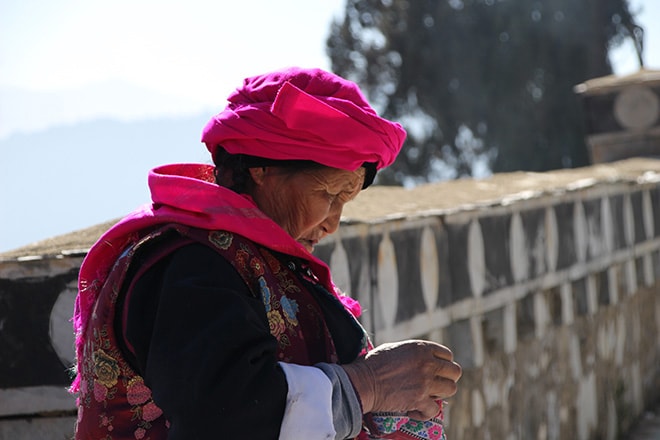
[306, 204]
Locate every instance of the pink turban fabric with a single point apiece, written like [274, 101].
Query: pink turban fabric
[304, 114]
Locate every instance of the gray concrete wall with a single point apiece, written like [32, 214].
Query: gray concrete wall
[546, 286]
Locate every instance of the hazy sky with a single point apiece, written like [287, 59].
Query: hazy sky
[182, 47]
[185, 56]
[197, 50]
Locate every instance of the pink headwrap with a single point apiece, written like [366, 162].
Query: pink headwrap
[304, 114]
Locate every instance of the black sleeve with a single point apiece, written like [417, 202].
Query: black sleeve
[202, 344]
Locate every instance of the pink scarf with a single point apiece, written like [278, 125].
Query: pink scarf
[186, 194]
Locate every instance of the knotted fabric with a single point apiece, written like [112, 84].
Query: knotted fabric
[304, 114]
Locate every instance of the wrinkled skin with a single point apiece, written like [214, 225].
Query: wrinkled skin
[408, 376]
[306, 204]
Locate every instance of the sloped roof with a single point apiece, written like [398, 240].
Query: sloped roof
[381, 203]
[605, 84]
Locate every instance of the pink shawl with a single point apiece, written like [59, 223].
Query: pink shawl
[186, 194]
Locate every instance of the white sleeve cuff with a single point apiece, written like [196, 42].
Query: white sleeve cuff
[308, 412]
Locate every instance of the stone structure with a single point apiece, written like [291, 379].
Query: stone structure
[545, 285]
[622, 115]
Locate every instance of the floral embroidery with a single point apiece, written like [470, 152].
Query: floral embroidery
[257, 267]
[108, 383]
[241, 257]
[287, 284]
[397, 425]
[414, 425]
[221, 239]
[105, 368]
[265, 292]
[284, 341]
[100, 391]
[137, 392]
[276, 323]
[436, 432]
[104, 376]
[272, 262]
[151, 412]
[106, 422]
[290, 309]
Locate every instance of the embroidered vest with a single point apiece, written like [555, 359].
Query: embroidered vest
[114, 403]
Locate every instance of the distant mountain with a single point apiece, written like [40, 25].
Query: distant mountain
[27, 111]
[70, 177]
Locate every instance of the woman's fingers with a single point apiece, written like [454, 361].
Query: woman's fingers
[449, 370]
[405, 376]
[426, 410]
[441, 388]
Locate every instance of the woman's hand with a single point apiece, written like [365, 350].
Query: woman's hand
[408, 376]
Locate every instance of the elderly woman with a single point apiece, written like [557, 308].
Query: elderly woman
[205, 314]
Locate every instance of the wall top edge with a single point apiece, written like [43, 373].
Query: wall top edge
[380, 204]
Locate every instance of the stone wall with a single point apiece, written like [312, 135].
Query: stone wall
[36, 346]
[549, 299]
[545, 285]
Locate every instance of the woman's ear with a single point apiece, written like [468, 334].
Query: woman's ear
[258, 174]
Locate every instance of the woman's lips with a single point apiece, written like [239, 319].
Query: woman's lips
[308, 243]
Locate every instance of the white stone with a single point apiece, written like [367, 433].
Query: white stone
[552, 242]
[567, 312]
[631, 277]
[492, 392]
[476, 259]
[61, 331]
[339, 267]
[621, 338]
[477, 340]
[553, 430]
[541, 315]
[510, 331]
[607, 223]
[429, 264]
[647, 212]
[478, 410]
[613, 285]
[606, 341]
[586, 407]
[648, 270]
[575, 357]
[518, 254]
[628, 220]
[592, 295]
[581, 232]
[388, 280]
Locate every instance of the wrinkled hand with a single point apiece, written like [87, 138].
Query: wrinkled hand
[408, 376]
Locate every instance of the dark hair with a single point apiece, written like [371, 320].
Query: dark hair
[232, 170]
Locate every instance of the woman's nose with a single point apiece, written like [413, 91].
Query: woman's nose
[331, 222]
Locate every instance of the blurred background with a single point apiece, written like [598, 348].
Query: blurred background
[94, 94]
